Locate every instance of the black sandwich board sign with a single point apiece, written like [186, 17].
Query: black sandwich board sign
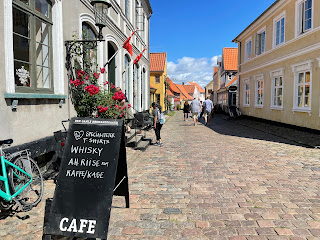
[93, 165]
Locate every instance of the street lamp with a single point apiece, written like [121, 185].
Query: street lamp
[100, 12]
[81, 47]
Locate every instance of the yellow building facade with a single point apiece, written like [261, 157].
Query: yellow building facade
[158, 74]
[279, 64]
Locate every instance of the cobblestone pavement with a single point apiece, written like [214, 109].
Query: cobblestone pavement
[232, 180]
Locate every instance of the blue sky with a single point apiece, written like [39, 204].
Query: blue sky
[193, 33]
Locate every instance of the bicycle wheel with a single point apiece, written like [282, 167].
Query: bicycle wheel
[32, 194]
[4, 205]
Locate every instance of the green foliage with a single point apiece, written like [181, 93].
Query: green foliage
[178, 107]
[167, 103]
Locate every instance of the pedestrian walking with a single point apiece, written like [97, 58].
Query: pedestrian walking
[207, 108]
[186, 110]
[156, 112]
[195, 110]
[200, 112]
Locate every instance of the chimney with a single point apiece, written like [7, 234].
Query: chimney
[182, 83]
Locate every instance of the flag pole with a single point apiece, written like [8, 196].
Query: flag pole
[133, 61]
[111, 58]
[128, 39]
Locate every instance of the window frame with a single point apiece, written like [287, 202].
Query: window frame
[260, 32]
[156, 98]
[157, 76]
[246, 55]
[298, 68]
[246, 92]
[277, 73]
[258, 78]
[275, 21]
[33, 17]
[298, 30]
[127, 9]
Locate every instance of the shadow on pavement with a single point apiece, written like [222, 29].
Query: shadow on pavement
[247, 128]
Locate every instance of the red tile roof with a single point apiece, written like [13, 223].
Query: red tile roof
[170, 94]
[172, 86]
[233, 80]
[200, 89]
[230, 58]
[189, 89]
[158, 62]
[184, 95]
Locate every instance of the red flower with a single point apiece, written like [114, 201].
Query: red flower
[76, 82]
[87, 77]
[102, 70]
[96, 75]
[92, 90]
[129, 105]
[118, 96]
[112, 86]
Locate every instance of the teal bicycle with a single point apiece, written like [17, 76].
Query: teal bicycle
[21, 181]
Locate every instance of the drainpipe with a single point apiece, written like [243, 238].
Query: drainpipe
[239, 70]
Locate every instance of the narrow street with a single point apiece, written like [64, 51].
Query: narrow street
[235, 179]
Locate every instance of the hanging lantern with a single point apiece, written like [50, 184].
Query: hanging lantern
[101, 11]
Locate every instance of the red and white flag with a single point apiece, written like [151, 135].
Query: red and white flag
[138, 57]
[126, 45]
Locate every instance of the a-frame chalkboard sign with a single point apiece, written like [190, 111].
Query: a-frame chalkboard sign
[93, 169]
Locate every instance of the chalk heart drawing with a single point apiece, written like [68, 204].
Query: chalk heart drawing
[78, 134]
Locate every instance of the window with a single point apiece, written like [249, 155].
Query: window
[246, 93]
[127, 8]
[137, 14]
[32, 48]
[158, 98]
[89, 55]
[157, 78]
[143, 26]
[304, 12]
[248, 49]
[259, 91]
[127, 77]
[302, 86]
[279, 29]
[277, 88]
[261, 41]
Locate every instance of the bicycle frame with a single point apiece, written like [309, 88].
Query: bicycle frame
[7, 195]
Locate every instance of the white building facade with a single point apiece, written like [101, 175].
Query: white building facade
[34, 86]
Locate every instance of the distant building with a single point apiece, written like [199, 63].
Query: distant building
[279, 62]
[184, 95]
[158, 74]
[199, 92]
[228, 68]
[216, 83]
[174, 93]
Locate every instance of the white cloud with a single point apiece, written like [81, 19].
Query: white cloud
[191, 69]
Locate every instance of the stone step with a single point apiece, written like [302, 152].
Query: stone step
[142, 145]
[134, 141]
[130, 135]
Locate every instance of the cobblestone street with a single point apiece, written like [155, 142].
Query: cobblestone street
[235, 179]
